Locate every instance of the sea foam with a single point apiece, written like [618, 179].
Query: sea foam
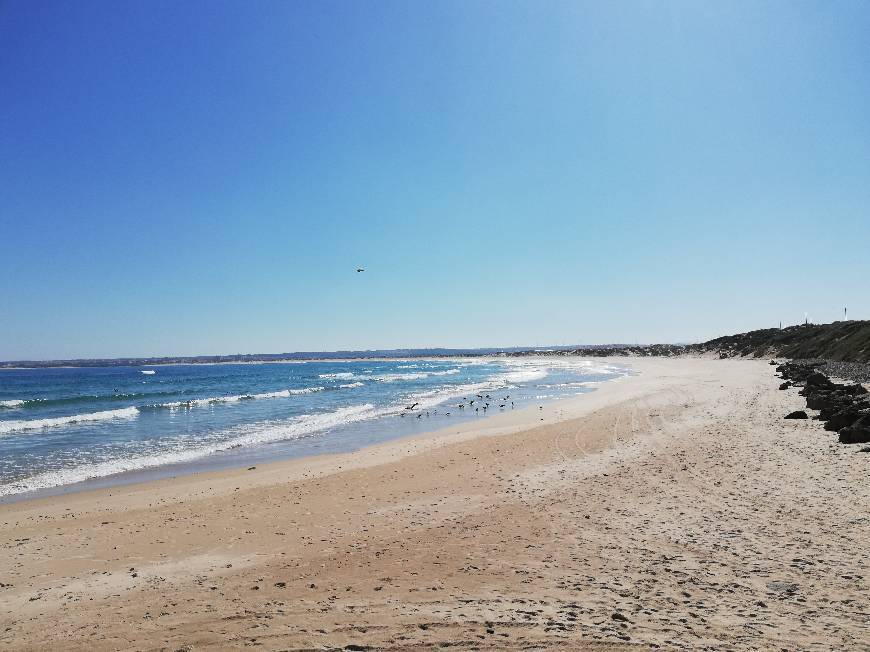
[7, 427]
[247, 435]
[283, 393]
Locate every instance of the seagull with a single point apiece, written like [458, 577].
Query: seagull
[360, 269]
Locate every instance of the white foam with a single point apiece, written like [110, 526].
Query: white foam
[13, 403]
[587, 383]
[148, 372]
[351, 385]
[447, 372]
[524, 376]
[392, 378]
[257, 433]
[435, 397]
[37, 424]
[284, 393]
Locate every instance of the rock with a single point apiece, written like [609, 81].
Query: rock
[817, 379]
[819, 401]
[782, 588]
[857, 433]
[797, 414]
[845, 417]
[785, 385]
[832, 401]
[828, 412]
[618, 616]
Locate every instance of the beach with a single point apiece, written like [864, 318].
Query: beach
[674, 508]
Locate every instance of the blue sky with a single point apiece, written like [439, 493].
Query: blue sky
[204, 177]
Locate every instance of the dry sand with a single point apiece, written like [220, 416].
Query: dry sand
[674, 509]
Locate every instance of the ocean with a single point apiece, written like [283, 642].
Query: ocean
[63, 429]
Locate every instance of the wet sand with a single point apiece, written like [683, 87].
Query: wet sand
[675, 508]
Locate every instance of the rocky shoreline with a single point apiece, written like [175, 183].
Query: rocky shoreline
[858, 372]
[845, 408]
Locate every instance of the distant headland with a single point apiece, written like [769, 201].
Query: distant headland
[847, 341]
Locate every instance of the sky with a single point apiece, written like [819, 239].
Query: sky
[205, 177]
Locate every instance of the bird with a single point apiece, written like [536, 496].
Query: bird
[360, 269]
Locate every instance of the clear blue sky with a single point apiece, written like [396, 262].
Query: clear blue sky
[204, 177]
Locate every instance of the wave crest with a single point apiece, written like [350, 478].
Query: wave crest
[7, 427]
[283, 393]
[257, 433]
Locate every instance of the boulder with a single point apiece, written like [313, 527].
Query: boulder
[816, 379]
[845, 417]
[797, 414]
[820, 401]
[831, 401]
[857, 433]
[785, 385]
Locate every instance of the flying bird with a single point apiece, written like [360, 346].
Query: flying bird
[359, 269]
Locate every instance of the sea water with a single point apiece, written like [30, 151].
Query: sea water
[63, 428]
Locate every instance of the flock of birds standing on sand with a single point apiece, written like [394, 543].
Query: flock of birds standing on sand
[482, 400]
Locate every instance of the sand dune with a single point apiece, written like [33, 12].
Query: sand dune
[674, 508]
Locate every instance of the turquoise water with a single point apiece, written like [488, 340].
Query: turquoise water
[102, 426]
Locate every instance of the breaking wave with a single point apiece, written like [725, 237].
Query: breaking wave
[36, 424]
[198, 402]
[181, 451]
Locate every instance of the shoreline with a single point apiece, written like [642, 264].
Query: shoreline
[346, 442]
[649, 511]
[488, 425]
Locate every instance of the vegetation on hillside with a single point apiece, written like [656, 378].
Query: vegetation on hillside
[841, 340]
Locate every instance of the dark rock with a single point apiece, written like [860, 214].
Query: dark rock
[797, 414]
[618, 616]
[816, 379]
[785, 385]
[857, 433]
[832, 401]
[819, 401]
[845, 417]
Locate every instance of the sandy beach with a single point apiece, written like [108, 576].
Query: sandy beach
[675, 508]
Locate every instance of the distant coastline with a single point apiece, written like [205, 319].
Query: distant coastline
[301, 356]
[838, 341]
